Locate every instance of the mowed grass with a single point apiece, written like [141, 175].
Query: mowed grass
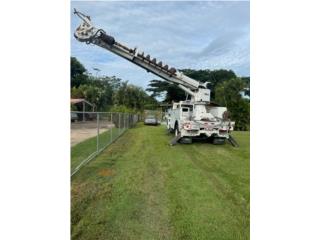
[142, 188]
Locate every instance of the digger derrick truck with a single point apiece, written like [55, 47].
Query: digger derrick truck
[189, 119]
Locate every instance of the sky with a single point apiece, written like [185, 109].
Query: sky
[196, 35]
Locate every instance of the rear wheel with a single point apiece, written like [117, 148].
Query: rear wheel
[218, 141]
[186, 140]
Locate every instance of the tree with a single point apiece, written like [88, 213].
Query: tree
[105, 92]
[247, 85]
[213, 76]
[97, 91]
[77, 71]
[133, 97]
[228, 94]
[173, 93]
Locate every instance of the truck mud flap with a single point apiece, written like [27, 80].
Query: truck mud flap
[232, 141]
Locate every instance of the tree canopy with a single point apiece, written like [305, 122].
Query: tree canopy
[228, 94]
[172, 92]
[108, 92]
[78, 73]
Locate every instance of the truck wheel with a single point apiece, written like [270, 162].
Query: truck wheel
[218, 141]
[186, 140]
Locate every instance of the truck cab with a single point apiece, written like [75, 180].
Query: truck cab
[178, 114]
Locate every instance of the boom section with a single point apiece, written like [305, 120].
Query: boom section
[86, 32]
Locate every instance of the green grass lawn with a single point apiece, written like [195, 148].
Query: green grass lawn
[142, 188]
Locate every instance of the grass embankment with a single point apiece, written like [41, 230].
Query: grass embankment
[141, 188]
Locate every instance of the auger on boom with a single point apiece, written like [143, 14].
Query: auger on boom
[192, 118]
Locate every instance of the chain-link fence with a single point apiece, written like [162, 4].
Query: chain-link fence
[92, 132]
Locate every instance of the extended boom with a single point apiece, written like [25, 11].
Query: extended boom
[86, 32]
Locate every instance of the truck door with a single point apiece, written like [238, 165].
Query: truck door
[185, 113]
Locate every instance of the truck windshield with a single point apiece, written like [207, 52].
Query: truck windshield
[185, 108]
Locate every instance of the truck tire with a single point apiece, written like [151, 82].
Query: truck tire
[185, 140]
[218, 141]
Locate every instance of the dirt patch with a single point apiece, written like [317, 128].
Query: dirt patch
[81, 131]
[79, 135]
[91, 124]
[106, 172]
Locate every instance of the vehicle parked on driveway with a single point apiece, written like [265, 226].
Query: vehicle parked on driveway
[151, 120]
[74, 117]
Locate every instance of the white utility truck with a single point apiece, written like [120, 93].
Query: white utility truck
[189, 119]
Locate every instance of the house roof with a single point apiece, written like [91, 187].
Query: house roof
[80, 100]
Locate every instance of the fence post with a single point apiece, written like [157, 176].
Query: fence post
[119, 125]
[111, 128]
[83, 110]
[129, 120]
[124, 122]
[98, 126]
